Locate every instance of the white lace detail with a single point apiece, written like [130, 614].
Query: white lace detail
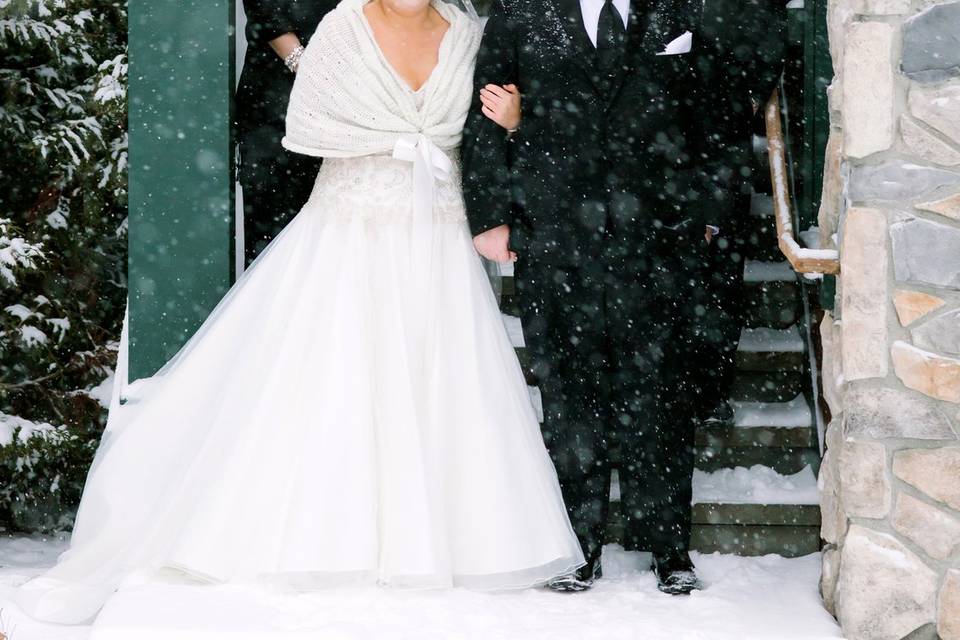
[378, 189]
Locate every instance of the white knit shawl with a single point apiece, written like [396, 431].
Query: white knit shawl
[348, 101]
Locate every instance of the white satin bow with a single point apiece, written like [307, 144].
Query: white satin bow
[430, 164]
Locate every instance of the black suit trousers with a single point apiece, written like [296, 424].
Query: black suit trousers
[623, 353]
[726, 281]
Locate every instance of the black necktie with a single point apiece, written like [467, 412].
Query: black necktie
[611, 39]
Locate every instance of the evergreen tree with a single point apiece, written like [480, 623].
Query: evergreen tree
[63, 72]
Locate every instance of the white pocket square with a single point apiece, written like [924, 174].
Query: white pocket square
[681, 44]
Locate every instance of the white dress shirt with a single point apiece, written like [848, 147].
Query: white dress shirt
[591, 15]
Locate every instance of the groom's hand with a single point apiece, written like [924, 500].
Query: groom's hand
[494, 244]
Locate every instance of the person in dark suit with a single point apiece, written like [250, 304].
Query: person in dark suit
[738, 67]
[276, 183]
[606, 195]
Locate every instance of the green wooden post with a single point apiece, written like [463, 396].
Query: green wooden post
[818, 73]
[181, 171]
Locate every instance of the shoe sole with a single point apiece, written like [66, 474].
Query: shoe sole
[677, 591]
[569, 587]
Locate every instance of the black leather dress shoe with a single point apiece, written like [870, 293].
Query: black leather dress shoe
[675, 573]
[580, 580]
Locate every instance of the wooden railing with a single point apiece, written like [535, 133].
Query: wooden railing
[802, 259]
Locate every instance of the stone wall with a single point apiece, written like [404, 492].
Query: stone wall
[890, 482]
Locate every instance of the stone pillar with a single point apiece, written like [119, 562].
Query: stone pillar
[890, 481]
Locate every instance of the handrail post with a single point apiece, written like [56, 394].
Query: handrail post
[803, 260]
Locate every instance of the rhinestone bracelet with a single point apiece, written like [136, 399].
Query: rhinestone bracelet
[293, 59]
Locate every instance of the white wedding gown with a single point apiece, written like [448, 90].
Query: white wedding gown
[352, 411]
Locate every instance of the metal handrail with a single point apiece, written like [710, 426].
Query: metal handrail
[802, 259]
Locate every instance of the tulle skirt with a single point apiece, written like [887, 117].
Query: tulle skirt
[340, 418]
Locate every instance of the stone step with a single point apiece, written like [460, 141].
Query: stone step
[771, 349]
[762, 230]
[752, 511]
[784, 448]
[768, 386]
[773, 305]
[796, 515]
[779, 435]
[761, 348]
[788, 541]
[755, 485]
[760, 147]
[787, 447]
[758, 272]
[761, 205]
[772, 294]
[760, 424]
[760, 309]
[763, 424]
[793, 414]
[786, 460]
[761, 164]
[746, 489]
[754, 272]
[753, 540]
[756, 511]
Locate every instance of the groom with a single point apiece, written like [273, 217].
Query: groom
[612, 193]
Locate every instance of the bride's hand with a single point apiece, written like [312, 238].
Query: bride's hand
[502, 105]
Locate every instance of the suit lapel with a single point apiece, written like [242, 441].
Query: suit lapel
[668, 19]
[582, 50]
[653, 23]
[649, 24]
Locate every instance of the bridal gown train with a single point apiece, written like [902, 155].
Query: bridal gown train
[352, 411]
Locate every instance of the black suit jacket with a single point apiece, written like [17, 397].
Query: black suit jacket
[738, 67]
[265, 82]
[589, 166]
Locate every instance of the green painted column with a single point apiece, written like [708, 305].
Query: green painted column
[181, 168]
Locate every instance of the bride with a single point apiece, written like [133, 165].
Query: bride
[352, 411]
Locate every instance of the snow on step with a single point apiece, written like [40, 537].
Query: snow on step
[759, 144]
[793, 414]
[514, 330]
[767, 340]
[758, 271]
[761, 205]
[755, 485]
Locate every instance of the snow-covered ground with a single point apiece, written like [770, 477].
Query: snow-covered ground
[768, 598]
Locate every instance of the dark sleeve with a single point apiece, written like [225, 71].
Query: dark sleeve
[267, 20]
[745, 45]
[749, 37]
[768, 35]
[485, 151]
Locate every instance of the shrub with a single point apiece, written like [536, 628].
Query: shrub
[63, 194]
